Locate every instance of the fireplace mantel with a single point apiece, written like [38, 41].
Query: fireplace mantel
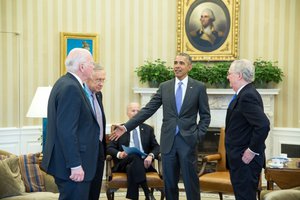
[218, 102]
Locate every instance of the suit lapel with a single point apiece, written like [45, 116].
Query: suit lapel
[99, 99]
[83, 94]
[142, 135]
[172, 97]
[127, 139]
[187, 96]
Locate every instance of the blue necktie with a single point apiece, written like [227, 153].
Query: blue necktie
[92, 103]
[178, 97]
[136, 139]
[233, 98]
[90, 97]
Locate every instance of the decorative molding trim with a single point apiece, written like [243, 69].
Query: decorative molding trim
[284, 136]
[24, 140]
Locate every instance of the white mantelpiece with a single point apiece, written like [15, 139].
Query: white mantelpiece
[218, 102]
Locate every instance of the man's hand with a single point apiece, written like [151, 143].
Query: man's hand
[122, 155]
[248, 156]
[148, 161]
[77, 175]
[117, 133]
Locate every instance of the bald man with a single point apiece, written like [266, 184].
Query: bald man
[135, 165]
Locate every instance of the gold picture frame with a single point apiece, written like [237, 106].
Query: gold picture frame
[69, 41]
[218, 43]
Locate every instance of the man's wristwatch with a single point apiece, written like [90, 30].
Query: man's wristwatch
[152, 155]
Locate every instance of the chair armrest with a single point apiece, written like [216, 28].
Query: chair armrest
[109, 165]
[212, 157]
[208, 158]
[160, 170]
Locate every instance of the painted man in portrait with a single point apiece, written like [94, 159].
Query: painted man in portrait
[207, 35]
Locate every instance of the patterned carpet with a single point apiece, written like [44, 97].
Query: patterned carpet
[204, 196]
[121, 195]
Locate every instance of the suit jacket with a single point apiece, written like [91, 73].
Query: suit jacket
[72, 131]
[99, 97]
[148, 141]
[247, 126]
[195, 102]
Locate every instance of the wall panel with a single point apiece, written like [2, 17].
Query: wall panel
[131, 32]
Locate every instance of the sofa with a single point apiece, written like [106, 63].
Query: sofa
[284, 194]
[22, 178]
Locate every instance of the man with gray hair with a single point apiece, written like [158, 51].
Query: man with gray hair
[71, 148]
[207, 35]
[93, 87]
[247, 128]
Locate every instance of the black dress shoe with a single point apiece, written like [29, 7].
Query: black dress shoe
[150, 197]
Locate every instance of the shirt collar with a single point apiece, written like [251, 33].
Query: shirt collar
[241, 88]
[184, 81]
[77, 77]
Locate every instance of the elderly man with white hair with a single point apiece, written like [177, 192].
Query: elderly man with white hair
[247, 128]
[71, 150]
[207, 35]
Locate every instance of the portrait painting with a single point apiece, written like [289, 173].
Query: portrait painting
[77, 40]
[208, 29]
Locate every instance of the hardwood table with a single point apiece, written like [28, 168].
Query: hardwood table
[286, 177]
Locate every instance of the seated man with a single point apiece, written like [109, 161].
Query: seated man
[135, 165]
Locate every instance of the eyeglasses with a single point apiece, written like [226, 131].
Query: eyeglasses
[100, 80]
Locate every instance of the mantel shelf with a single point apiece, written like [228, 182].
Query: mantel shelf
[218, 103]
[272, 91]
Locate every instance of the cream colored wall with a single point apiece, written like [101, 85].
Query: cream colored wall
[130, 32]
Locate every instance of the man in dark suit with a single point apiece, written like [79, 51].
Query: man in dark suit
[247, 128]
[135, 165]
[93, 88]
[183, 98]
[71, 149]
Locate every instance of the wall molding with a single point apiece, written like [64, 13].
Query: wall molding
[24, 140]
[283, 135]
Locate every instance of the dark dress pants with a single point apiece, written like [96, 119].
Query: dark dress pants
[181, 157]
[133, 165]
[245, 180]
[97, 181]
[70, 190]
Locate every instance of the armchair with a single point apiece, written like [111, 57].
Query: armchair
[117, 180]
[218, 181]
